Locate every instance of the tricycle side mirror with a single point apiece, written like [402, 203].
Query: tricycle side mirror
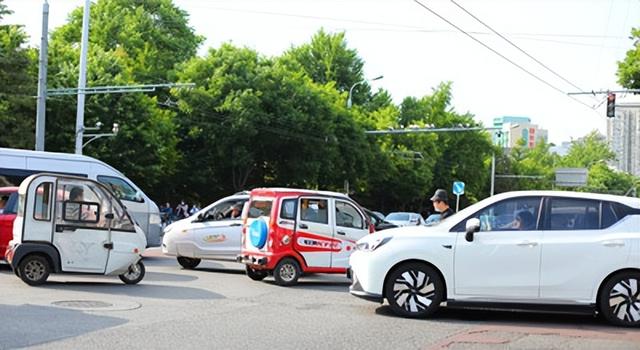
[472, 226]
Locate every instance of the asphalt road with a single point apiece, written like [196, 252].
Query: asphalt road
[217, 306]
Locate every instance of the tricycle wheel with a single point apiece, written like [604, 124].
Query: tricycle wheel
[34, 270]
[256, 275]
[134, 274]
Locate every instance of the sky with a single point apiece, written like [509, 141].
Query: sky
[580, 41]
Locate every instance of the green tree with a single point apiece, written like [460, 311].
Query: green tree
[149, 36]
[629, 68]
[409, 167]
[17, 106]
[130, 42]
[256, 122]
[587, 151]
[327, 58]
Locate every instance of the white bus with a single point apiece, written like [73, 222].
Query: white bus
[17, 164]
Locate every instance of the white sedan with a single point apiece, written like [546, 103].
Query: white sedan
[404, 219]
[536, 250]
[213, 233]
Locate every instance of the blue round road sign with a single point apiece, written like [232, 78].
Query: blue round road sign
[458, 188]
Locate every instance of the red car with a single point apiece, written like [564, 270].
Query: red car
[8, 210]
[290, 232]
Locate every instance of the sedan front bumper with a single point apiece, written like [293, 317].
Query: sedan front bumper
[356, 290]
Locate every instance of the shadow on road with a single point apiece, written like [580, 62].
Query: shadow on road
[520, 318]
[329, 286]
[168, 277]
[221, 270]
[34, 324]
[149, 291]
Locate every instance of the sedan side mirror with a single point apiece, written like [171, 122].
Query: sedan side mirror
[472, 226]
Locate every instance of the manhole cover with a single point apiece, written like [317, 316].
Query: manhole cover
[82, 304]
[95, 305]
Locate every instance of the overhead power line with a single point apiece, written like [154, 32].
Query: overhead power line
[407, 27]
[516, 46]
[501, 55]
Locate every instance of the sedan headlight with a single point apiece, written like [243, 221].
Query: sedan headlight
[371, 246]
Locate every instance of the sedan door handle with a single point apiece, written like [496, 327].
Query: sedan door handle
[341, 233]
[236, 224]
[527, 244]
[613, 243]
[303, 226]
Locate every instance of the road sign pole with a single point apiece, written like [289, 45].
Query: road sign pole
[457, 202]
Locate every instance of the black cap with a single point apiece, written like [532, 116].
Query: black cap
[440, 195]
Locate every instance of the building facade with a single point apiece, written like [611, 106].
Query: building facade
[623, 134]
[509, 130]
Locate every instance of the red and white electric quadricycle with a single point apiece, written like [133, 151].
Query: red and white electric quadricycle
[71, 224]
[290, 232]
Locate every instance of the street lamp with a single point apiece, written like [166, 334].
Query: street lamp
[93, 137]
[349, 103]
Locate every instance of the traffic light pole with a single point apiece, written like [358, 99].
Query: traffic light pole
[611, 98]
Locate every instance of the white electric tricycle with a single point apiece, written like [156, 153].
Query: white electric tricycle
[71, 224]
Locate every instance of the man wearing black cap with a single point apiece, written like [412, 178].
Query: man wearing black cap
[440, 201]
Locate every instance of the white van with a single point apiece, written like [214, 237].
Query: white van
[17, 164]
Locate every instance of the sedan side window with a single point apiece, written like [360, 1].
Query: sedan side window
[515, 214]
[229, 210]
[574, 214]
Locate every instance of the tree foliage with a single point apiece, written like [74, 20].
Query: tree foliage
[130, 42]
[17, 108]
[254, 121]
[629, 68]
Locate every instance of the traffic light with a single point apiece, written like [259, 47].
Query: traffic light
[611, 105]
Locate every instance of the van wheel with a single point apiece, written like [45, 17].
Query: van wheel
[414, 290]
[619, 299]
[135, 273]
[34, 270]
[287, 272]
[188, 263]
[256, 275]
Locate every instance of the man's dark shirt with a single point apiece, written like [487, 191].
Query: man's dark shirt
[445, 214]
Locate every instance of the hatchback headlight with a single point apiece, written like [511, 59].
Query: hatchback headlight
[369, 247]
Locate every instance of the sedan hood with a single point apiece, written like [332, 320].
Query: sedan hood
[409, 232]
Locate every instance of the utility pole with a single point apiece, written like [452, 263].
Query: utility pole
[82, 78]
[493, 173]
[42, 79]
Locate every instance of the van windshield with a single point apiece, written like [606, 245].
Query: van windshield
[259, 208]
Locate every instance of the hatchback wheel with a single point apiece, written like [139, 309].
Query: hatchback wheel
[256, 275]
[34, 270]
[188, 263]
[414, 290]
[134, 274]
[287, 272]
[620, 299]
